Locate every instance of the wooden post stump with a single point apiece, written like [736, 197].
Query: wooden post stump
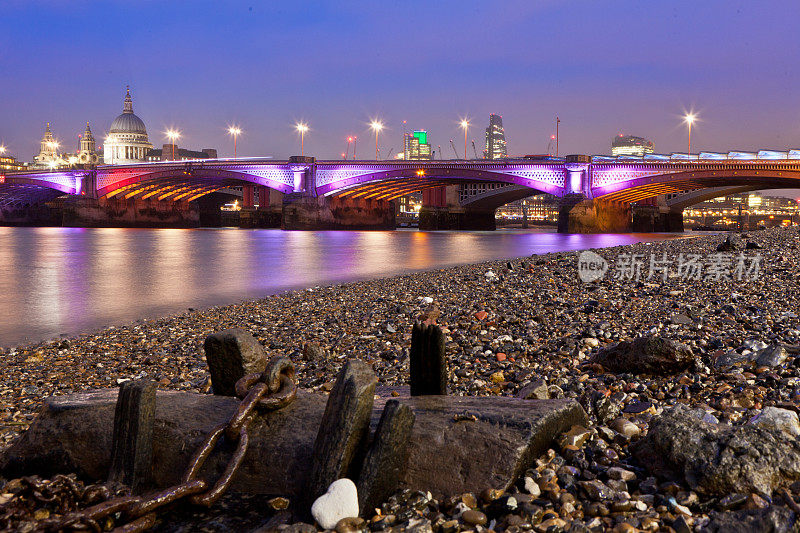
[428, 363]
[343, 433]
[231, 354]
[387, 458]
[132, 444]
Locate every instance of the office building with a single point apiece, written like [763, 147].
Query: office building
[631, 145]
[495, 147]
[416, 146]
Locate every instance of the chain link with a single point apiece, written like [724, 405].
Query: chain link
[270, 390]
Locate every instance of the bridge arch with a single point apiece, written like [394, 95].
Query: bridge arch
[494, 198]
[183, 183]
[687, 199]
[739, 177]
[388, 184]
[18, 191]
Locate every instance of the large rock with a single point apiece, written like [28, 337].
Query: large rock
[457, 444]
[780, 419]
[773, 519]
[771, 356]
[231, 354]
[646, 355]
[718, 459]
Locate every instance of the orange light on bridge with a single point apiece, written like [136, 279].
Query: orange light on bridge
[420, 172]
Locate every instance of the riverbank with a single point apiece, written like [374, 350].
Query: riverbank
[506, 328]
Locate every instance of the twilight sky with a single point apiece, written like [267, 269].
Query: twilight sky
[604, 67]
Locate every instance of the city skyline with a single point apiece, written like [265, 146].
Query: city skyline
[273, 80]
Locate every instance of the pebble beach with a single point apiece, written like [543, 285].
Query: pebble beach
[670, 443]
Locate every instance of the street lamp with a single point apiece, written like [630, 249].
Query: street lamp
[689, 118]
[173, 136]
[235, 131]
[377, 127]
[465, 125]
[302, 128]
[2, 149]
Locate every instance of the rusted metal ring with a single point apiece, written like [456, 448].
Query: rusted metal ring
[281, 385]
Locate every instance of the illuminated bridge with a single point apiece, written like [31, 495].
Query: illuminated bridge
[597, 193]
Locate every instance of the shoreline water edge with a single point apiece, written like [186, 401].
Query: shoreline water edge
[713, 326]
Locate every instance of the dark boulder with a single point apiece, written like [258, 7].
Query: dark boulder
[646, 355]
[718, 459]
[773, 519]
[728, 245]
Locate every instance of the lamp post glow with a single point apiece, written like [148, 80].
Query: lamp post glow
[558, 121]
[302, 128]
[377, 127]
[173, 135]
[689, 118]
[2, 149]
[235, 131]
[465, 125]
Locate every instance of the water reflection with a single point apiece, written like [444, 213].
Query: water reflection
[67, 280]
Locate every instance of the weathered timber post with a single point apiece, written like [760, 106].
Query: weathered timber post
[132, 441]
[231, 354]
[428, 363]
[387, 458]
[342, 438]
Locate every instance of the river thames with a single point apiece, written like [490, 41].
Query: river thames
[66, 281]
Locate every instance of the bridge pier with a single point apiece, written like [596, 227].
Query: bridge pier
[302, 212]
[579, 215]
[131, 213]
[456, 218]
[268, 214]
[441, 211]
[648, 219]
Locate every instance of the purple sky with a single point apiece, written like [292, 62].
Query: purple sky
[605, 67]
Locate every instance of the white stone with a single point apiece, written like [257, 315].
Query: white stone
[340, 501]
[426, 300]
[532, 488]
[639, 505]
[490, 275]
[777, 418]
[460, 508]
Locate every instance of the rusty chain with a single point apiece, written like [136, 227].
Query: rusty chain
[270, 390]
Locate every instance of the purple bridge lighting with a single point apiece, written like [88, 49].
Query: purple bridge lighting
[470, 185]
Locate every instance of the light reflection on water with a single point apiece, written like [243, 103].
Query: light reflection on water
[72, 280]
